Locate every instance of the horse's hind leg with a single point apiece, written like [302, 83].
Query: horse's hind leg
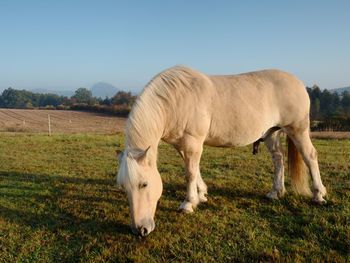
[273, 144]
[192, 150]
[302, 141]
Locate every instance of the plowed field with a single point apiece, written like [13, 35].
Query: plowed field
[17, 120]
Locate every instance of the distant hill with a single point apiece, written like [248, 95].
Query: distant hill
[103, 89]
[341, 90]
[100, 89]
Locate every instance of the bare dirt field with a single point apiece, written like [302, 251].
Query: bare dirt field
[330, 135]
[68, 122]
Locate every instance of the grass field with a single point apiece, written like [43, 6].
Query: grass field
[59, 203]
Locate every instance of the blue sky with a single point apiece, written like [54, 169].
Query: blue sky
[70, 44]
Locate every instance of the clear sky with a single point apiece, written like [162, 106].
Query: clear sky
[68, 44]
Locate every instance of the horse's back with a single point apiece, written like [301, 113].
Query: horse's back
[247, 105]
[233, 110]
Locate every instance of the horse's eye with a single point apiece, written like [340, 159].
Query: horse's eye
[142, 185]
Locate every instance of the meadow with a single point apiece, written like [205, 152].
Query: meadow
[59, 203]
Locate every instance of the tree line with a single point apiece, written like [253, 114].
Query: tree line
[119, 104]
[328, 111]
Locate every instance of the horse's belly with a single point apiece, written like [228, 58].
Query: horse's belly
[237, 130]
[234, 139]
[219, 142]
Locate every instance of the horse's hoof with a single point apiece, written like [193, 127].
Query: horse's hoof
[186, 207]
[202, 198]
[318, 196]
[272, 195]
[320, 200]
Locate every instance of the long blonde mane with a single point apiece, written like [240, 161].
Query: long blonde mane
[147, 119]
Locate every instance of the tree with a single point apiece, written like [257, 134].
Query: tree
[315, 94]
[12, 98]
[107, 101]
[83, 95]
[315, 109]
[345, 102]
[326, 103]
[123, 98]
[50, 99]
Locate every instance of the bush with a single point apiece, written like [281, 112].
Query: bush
[118, 110]
[48, 107]
[331, 124]
[62, 107]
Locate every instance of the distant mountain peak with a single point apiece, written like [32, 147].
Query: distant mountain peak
[103, 89]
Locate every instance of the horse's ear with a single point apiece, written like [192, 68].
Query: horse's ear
[119, 155]
[139, 155]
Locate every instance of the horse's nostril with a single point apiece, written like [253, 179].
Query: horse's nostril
[143, 231]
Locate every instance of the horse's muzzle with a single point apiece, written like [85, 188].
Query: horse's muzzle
[143, 231]
[144, 228]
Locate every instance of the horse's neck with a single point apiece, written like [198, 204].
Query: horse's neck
[137, 140]
[142, 131]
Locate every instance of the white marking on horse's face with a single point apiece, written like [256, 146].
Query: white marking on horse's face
[143, 186]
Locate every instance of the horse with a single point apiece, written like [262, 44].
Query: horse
[189, 109]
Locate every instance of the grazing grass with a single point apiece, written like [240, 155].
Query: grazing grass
[59, 203]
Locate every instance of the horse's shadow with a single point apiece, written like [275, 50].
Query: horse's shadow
[172, 190]
[17, 188]
[64, 220]
[175, 192]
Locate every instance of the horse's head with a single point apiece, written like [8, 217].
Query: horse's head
[139, 177]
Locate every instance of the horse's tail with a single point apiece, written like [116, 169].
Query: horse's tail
[297, 170]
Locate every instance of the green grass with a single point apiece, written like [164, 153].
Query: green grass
[59, 203]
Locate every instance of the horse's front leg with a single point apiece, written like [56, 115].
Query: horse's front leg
[196, 188]
[202, 189]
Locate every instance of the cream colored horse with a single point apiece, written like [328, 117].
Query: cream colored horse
[188, 109]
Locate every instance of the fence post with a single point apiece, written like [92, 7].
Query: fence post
[49, 119]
